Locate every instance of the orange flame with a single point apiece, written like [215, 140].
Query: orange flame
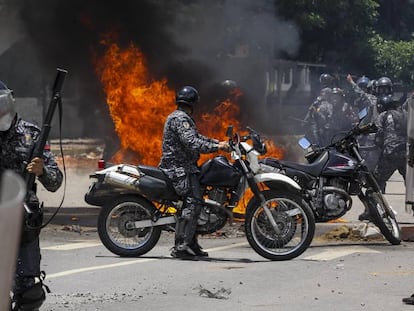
[138, 105]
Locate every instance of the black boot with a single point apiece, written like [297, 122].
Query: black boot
[197, 249]
[30, 293]
[409, 300]
[182, 252]
[365, 216]
[31, 299]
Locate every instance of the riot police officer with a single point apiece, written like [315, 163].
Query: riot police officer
[363, 88]
[17, 138]
[364, 99]
[312, 120]
[334, 116]
[391, 138]
[384, 86]
[181, 149]
[326, 80]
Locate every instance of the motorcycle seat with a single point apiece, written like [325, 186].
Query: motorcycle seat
[313, 168]
[153, 172]
[155, 184]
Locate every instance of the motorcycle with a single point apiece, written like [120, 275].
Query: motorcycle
[336, 172]
[139, 202]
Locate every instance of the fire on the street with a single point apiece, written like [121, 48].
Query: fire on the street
[139, 105]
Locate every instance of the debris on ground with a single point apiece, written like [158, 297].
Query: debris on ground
[221, 293]
[363, 231]
[72, 228]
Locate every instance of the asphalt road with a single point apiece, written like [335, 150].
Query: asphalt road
[333, 274]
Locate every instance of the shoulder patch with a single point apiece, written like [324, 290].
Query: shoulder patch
[186, 125]
[28, 139]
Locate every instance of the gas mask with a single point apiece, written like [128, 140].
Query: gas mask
[7, 112]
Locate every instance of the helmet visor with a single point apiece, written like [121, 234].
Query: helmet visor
[6, 110]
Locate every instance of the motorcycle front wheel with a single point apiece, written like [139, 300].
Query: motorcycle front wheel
[294, 219]
[383, 216]
[117, 231]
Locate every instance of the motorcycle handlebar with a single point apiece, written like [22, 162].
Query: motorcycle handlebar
[363, 130]
[366, 129]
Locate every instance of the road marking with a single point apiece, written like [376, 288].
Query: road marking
[336, 253]
[87, 269]
[71, 246]
[395, 272]
[220, 248]
[130, 262]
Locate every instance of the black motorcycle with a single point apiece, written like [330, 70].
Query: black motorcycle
[335, 173]
[138, 202]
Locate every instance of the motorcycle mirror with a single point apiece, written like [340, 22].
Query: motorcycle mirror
[363, 113]
[229, 131]
[304, 143]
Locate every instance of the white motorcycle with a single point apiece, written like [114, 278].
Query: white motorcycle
[138, 202]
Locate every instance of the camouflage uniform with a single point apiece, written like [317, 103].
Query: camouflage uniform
[369, 151]
[181, 149]
[333, 121]
[15, 147]
[391, 138]
[312, 120]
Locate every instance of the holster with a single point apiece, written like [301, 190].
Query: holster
[33, 218]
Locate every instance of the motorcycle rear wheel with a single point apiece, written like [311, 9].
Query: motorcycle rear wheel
[383, 217]
[292, 215]
[117, 232]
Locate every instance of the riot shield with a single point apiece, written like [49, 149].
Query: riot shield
[409, 177]
[12, 193]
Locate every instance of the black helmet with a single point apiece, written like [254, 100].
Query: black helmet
[387, 102]
[7, 112]
[326, 80]
[187, 95]
[337, 95]
[363, 82]
[384, 86]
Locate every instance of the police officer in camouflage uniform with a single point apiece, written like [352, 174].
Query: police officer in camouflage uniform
[181, 149]
[312, 119]
[391, 138]
[17, 138]
[334, 116]
[363, 90]
[365, 99]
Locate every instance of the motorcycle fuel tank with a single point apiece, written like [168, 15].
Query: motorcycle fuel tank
[219, 172]
[339, 163]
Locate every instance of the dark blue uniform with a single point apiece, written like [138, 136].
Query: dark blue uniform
[15, 148]
[181, 149]
[391, 138]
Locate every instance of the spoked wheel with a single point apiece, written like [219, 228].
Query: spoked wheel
[383, 217]
[294, 220]
[117, 231]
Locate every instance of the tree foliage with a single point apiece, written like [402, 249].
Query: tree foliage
[333, 32]
[394, 59]
[365, 37]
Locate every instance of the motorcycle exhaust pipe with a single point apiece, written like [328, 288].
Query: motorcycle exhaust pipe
[122, 180]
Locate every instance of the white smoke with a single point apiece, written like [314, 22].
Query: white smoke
[218, 29]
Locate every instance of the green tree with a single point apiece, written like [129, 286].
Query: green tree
[394, 59]
[332, 32]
